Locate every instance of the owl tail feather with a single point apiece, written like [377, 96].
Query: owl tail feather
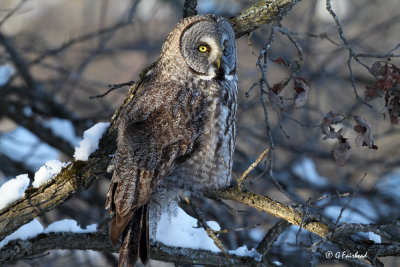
[135, 239]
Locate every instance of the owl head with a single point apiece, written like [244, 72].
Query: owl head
[204, 45]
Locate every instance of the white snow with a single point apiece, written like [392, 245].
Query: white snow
[6, 71]
[389, 185]
[257, 234]
[245, 252]
[374, 237]
[48, 171]
[90, 142]
[69, 225]
[371, 236]
[348, 216]
[214, 225]
[365, 207]
[286, 240]
[367, 236]
[182, 231]
[13, 189]
[27, 111]
[35, 228]
[62, 128]
[21, 145]
[26, 231]
[306, 170]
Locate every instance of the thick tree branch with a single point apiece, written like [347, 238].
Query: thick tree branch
[37, 201]
[262, 12]
[99, 241]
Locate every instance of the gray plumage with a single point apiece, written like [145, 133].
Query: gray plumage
[179, 129]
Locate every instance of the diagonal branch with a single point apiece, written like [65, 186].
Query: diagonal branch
[262, 12]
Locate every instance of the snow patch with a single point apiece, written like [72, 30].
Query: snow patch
[62, 128]
[183, 231]
[214, 225]
[245, 252]
[389, 185]
[365, 207]
[256, 234]
[6, 71]
[35, 228]
[69, 225]
[90, 142]
[374, 237]
[370, 236]
[13, 189]
[26, 231]
[348, 216]
[47, 172]
[21, 145]
[306, 171]
[367, 236]
[286, 240]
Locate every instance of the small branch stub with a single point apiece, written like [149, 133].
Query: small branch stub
[252, 166]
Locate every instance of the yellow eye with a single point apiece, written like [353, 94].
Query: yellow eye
[223, 47]
[203, 48]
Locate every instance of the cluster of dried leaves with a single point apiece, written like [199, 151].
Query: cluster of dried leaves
[341, 152]
[387, 85]
[300, 88]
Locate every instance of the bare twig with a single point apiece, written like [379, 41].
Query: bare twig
[112, 88]
[348, 202]
[13, 11]
[252, 166]
[210, 232]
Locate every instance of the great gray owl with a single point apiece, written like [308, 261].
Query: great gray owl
[178, 129]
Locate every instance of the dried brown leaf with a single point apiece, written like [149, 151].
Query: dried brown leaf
[301, 92]
[342, 151]
[364, 133]
[281, 61]
[326, 125]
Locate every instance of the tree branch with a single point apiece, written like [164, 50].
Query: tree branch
[267, 204]
[100, 241]
[262, 12]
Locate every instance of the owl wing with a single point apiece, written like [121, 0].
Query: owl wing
[157, 130]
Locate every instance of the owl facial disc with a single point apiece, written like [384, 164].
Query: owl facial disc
[208, 47]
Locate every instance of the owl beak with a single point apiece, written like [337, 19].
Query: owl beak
[218, 62]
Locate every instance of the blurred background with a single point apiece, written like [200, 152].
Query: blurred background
[56, 54]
